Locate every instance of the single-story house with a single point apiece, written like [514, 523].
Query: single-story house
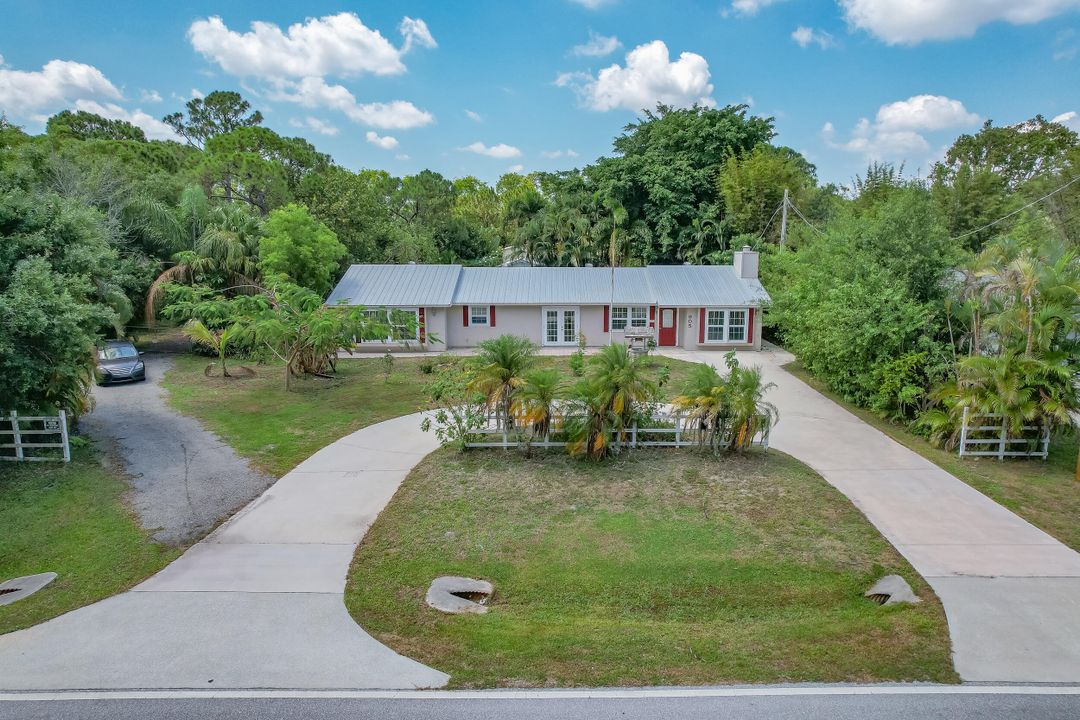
[689, 306]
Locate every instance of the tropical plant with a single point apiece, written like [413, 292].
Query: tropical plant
[750, 412]
[621, 379]
[224, 254]
[500, 370]
[589, 421]
[217, 341]
[704, 399]
[534, 400]
[1024, 390]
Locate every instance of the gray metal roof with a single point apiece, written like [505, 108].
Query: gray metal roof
[445, 285]
[704, 285]
[397, 286]
[551, 286]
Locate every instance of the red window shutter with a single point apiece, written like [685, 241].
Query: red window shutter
[701, 327]
[423, 333]
[491, 316]
[465, 316]
[607, 315]
[652, 316]
[750, 325]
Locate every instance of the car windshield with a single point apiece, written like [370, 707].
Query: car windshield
[116, 352]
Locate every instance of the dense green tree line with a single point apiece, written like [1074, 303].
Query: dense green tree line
[884, 289]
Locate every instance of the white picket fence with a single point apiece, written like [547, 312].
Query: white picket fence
[987, 435]
[682, 433]
[23, 438]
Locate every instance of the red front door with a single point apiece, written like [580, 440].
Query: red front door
[668, 320]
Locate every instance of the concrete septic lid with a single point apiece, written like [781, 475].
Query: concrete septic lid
[452, 595]
[20, 587]
[891, 590]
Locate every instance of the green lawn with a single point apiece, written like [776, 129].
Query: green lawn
[662, 567]
[70, 519]
[1045, 493]
[278, 430]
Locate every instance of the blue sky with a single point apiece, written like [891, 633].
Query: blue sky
[482, 87]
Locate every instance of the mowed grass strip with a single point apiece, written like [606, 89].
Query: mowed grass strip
[70, 519]
[1045, 493]
[277, 430]
[661, 567]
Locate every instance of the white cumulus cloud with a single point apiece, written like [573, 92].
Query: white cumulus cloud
[553, 154]
[649, 77]
[315, 92]
[474, 116]
[909, 22]
[1069, 119]
[154, 128]
[150, 96]
[415, 33]
[896, 133]
[385, 142]
[597, 46]
[57, 84]
[749, 7]
[501, 150]
[320, 126]
[804, 36]
[517, 168]
[338, 45]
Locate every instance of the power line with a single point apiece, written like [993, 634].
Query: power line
[803, 218]
[766, 228]
[1015, 212]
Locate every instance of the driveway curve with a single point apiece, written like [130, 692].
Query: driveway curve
[1011, 592]
[257, 604]
[183, 477]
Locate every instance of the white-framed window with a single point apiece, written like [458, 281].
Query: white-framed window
[736, 327]
[715, 325]
[725, 326]
[397, 322]
[624, 315]
[619, 317]
[478, 314]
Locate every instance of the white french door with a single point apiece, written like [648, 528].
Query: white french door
[560, 326]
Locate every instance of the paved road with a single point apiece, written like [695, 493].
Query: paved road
[257, 604]
[554, 704]
[184, 479]
[1011, 592]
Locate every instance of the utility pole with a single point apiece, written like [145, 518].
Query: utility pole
[783, 221]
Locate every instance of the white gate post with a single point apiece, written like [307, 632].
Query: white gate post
[1004, 435]
[16, 436]
[64, 436]
[963, 433]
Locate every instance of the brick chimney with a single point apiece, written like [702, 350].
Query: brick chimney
[745, 262]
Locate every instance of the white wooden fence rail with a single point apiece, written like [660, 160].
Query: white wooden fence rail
[987, 435]
[23, 437]
[681, 434]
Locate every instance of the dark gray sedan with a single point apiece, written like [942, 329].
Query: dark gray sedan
[119, 361]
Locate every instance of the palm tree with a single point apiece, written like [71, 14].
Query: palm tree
[705, 400]
[534, 400]
[750, 413]
[223, 254]
[590, 421]
[217, 341]
[619, 378]
[502, 363]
